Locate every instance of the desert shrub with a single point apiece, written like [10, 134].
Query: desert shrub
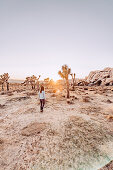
[110, 117]
[70, 101]
[53, 95]
[85, 88]
[1, 141]
[9, 93]
[85, 99]
[3, 93]
[31, 93]
[2, 106]
[109, 101]
[19, 99]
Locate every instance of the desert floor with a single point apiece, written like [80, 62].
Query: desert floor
[69, 134]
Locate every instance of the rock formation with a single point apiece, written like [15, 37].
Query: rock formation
[100, 77]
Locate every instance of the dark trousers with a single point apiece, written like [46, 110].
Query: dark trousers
[42, 103]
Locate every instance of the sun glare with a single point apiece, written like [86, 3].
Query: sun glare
[58, 91]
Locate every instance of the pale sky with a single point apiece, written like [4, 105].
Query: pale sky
[39, 36]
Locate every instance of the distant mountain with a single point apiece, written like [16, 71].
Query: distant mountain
[15, 81]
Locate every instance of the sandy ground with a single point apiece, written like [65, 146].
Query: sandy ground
[74, 134]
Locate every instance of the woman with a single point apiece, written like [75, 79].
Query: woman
[42, 98]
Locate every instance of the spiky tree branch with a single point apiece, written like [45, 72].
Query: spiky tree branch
[64, 73]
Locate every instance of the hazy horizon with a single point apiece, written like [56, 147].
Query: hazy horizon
[38, 37]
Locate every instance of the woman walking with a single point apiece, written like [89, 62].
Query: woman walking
[42, 98]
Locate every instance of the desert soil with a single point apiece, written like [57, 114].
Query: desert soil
[69, 134]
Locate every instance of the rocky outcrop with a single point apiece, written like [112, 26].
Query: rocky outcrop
[100, 77]
[81, 82]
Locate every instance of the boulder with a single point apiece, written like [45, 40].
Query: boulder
[100, 77]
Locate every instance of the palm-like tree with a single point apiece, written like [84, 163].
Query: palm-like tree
[64, 73]
[27, 81]
[37, 82]
[33, 80]
[2, 82]
[4, 79]
[73, 79]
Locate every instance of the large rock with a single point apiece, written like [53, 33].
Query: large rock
[101, 77]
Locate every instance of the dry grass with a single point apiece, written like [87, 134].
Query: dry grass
[33, 129]
[96, 110]
[16, 99]
[30, 110]
[71, 137]
[31, 93]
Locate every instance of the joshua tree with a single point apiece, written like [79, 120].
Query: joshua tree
[4, 79]
[27, 81]
[64, 73]
[33, 80]
[73, 79]
[37, 82]
[46, 80]
[1, 82]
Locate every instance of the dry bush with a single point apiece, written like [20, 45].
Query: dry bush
[1, 144]
[91, 110]
[110, 117]
[91, 89]
[85, 99]
[63, 96]
[19, 90]
[19, 99]
[54, 91]
[50, 91]
[9, 93]
[30, 110]
[33, 129]
[53, 95]
[3, 93]
[31, 93]
[70, 101]
[109, 101]
[85, 88]
[74, 97]
[2, 106]
[1, 141]
[52, 132]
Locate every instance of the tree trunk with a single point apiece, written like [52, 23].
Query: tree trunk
[7, 86]
[74, 80]
[67, 82]
[2, 86]
[73, 84]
